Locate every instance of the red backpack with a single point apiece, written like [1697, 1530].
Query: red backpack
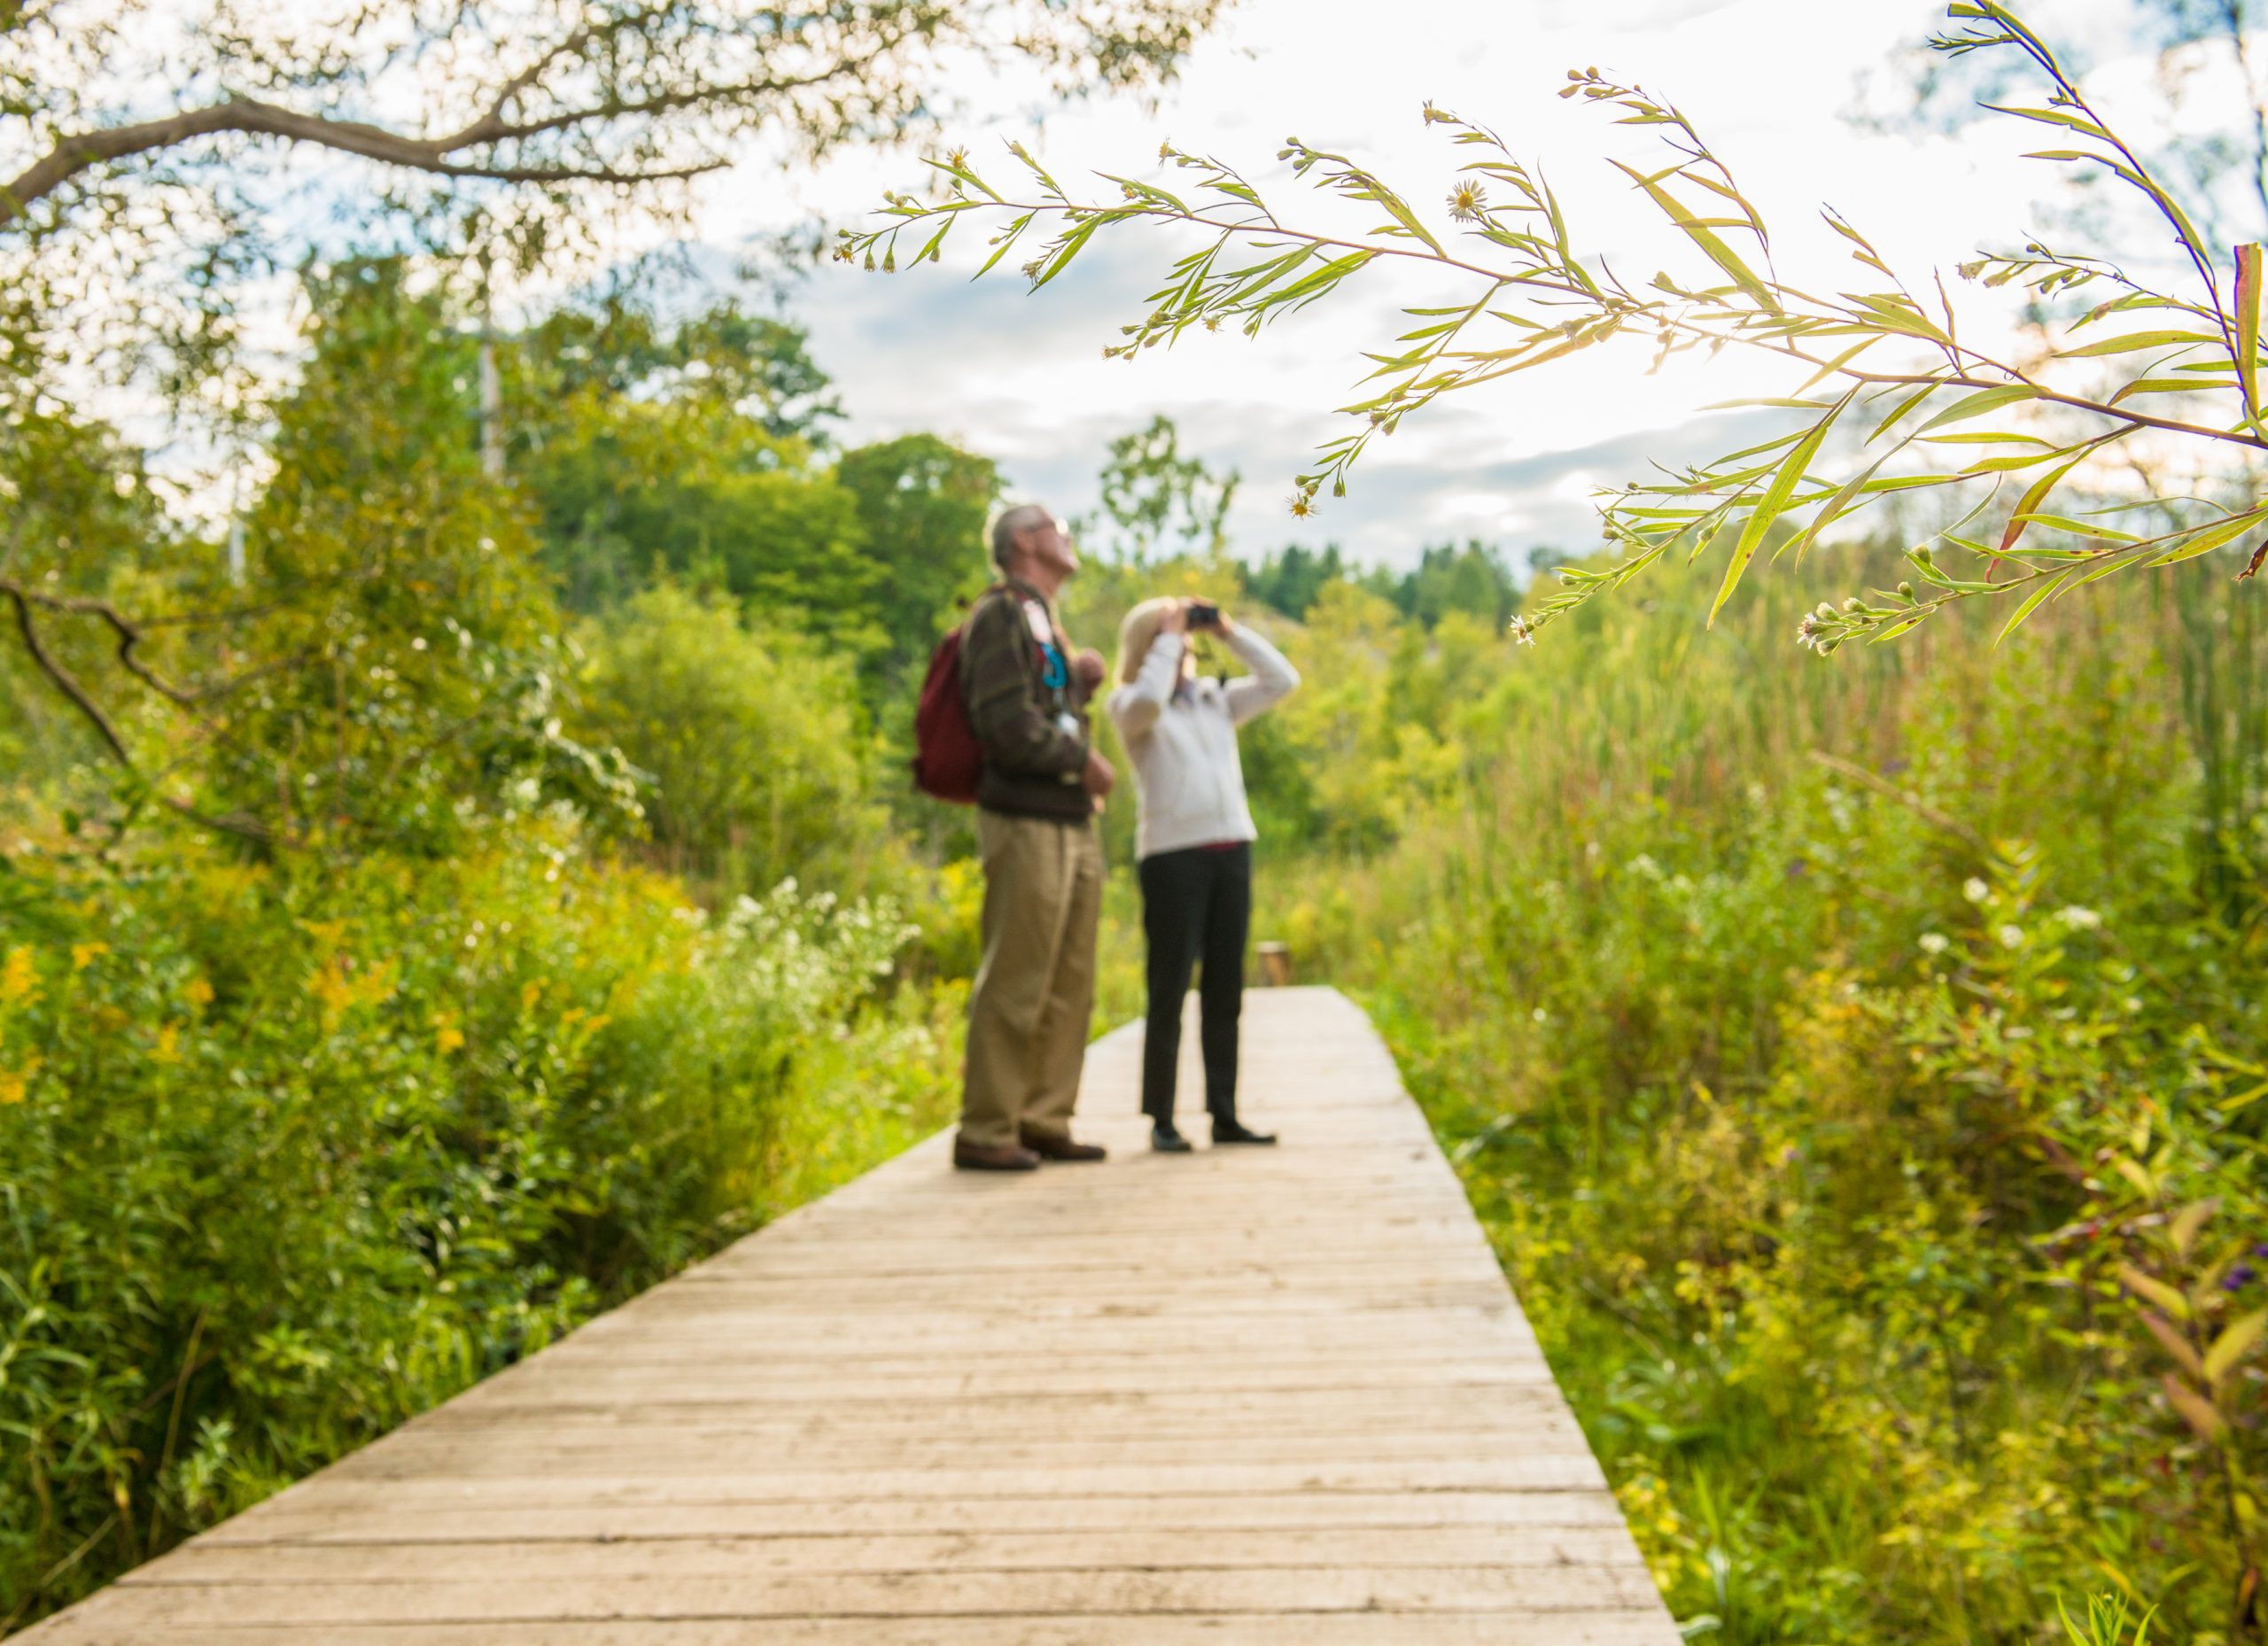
[947, 758]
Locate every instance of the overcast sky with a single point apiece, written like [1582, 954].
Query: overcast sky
[1805, 113]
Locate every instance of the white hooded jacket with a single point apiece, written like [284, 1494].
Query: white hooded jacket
[1181, 736]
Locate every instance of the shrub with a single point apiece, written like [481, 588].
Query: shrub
[289, 1152]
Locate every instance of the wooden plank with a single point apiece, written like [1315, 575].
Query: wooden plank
[1274, 1396]
[1089, 1548]
[323, 1521]
[1261, 1590]
[91, 1626]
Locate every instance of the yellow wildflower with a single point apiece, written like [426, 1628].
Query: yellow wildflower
[82, 954]
[15, 1083]
[200, 992]
[168, 1047]
[446, 1035]
[336, 986]
[19, 977]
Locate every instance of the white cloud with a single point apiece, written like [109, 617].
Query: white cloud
[1022, 377]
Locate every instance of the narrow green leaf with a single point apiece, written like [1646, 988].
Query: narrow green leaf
[2032, 499]
[1905, 410]
[2032, 602]
[2208, 539]
[2186, 1223]
[2238, 1336]
[1008, 239]
[2135, 340]
[2164, 1296]
[2081, 528]
[1771, 505]
[2053, 117]
[2247, 326]
[2009, 465]
[1978, 404]
[1838, 363]
[2198, 1412]
[1718, 251]
[2164, 385]
[1834, 507]
[2173, 1343]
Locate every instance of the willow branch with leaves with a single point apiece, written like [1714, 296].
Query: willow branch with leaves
[1890, 397]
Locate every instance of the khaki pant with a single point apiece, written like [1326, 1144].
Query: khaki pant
[1035, 991]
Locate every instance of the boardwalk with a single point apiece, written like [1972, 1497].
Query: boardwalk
[1234, 1397]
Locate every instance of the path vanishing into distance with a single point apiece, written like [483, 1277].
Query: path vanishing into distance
[1246, 1396]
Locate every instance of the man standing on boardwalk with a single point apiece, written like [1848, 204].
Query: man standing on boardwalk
[1042, 782]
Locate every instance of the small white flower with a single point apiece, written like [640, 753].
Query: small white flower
[1975, 890]
[2078, 919]
[2010, 936]
[1935, 942]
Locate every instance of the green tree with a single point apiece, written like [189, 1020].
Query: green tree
[1162, 499]
[1474, 580]
[756, 366]
[408, 656]
[922, 504]
[1291, 579]
[761, 758]
[628, 490]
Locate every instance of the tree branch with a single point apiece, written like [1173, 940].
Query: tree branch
[74, 156]
[64, 680]
[25, 601]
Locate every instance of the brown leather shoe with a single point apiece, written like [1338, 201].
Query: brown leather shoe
[993, 1157]
[1049, 1146]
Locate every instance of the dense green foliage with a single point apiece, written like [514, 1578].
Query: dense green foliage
[1860, 1067]
[292, 1153]
[437, 973]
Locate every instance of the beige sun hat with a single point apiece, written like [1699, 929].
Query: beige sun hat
[1134, 634]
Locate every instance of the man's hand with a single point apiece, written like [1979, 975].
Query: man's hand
[1175, 620]
[1100, 778]
[1090, 667]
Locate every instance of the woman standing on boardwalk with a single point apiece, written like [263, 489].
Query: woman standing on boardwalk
[1194, 836]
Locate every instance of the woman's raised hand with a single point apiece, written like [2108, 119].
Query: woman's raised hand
[1175, 618]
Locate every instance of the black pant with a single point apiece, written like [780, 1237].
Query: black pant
[1196, 906]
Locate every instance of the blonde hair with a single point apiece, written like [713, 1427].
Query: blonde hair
[1136, 634]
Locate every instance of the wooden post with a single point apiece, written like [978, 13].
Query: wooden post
[1275, 965]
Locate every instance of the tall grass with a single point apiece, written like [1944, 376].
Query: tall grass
[1829, 1046]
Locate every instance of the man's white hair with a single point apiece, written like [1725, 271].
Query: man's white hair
[1022, 517]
